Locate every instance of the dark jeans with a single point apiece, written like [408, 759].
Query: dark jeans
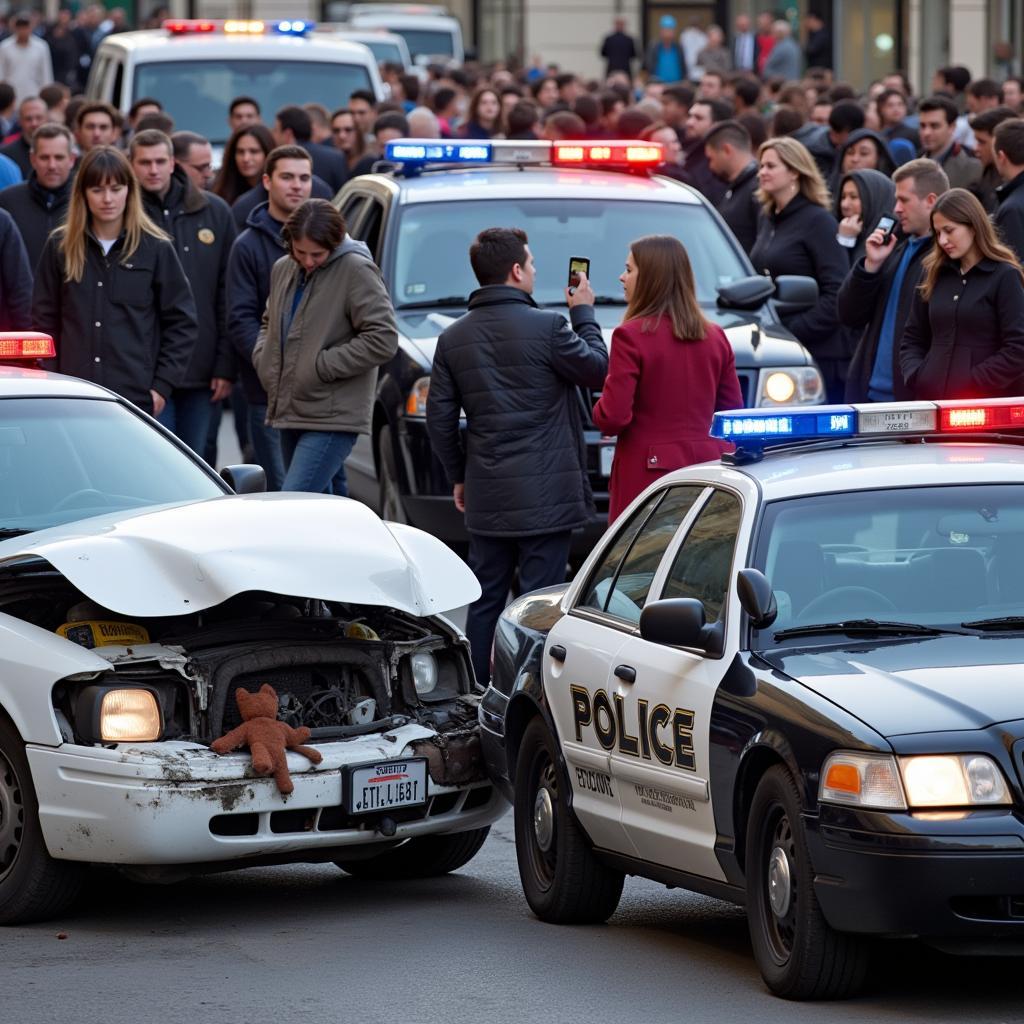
[266, 443]
[316, 460]
[541, 561]
[187, 415]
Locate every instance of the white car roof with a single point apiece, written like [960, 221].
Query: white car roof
[440, 22]
[154, 45]
[18, 382]
[876, 465]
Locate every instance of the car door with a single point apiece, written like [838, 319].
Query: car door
[663, 781]
[583, 650]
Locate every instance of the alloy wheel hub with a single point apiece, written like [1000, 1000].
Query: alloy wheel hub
[780, 885]
[543, 819]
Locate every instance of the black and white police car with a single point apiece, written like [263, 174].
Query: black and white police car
[791, 680]
[419, 217]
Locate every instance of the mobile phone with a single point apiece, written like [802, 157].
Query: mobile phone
[577, 265]
[886, 225]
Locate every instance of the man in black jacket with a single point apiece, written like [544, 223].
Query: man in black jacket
[520, 474]
[202, 229]
[15, 279]
[39, 204]
[703, 115]
[730, 157]
[294, 127]
[879, 290]
[1008, 152]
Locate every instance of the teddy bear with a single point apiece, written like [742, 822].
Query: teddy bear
[266, 737]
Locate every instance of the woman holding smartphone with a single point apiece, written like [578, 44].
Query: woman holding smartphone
[965, 334]
[669, 371]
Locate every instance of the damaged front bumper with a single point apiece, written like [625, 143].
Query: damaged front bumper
[179, 803]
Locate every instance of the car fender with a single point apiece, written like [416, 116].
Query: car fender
[31, 661]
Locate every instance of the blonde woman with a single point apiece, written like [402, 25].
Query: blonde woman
[965, 334]
[797, 235]
[111, 291]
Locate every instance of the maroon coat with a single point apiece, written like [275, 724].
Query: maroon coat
[658, 400]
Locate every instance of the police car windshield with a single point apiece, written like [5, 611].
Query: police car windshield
[431, 260]
[930, 556]
[64, 459]
[197, 93]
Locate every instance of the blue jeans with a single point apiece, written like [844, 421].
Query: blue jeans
[266, 443]
[187, 415]
[316, 460]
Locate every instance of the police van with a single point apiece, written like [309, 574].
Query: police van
[432, 34]
[790, 680]
[196, 67]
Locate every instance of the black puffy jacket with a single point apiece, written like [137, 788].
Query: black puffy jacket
[514, 369]
[36, 211]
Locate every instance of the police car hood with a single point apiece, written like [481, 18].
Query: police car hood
[184, 558]
[753, 345]
[931, 684]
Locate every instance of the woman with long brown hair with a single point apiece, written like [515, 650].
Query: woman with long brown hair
[965, 334]
[669, 371]
[242, 166]
[110, 290]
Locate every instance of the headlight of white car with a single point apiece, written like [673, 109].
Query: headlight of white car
[424, 673]
[790, 385]
[883, 782]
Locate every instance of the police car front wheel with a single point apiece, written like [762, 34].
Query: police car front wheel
[799, 955]
[563, 881]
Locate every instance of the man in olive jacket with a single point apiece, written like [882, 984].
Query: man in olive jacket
[520, 476]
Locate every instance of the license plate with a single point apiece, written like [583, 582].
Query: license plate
[607, 452]
[386, 784]
[895, 421]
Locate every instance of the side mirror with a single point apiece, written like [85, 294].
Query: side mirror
[756, 597]
[793, 293]
[245, 479]
[676, 621]
[746, 293]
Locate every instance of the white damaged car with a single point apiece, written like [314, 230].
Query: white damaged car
[138, 592]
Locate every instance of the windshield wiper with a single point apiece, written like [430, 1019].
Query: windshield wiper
[1007, 622]
[449, 300]
[599, 300]
[865, 627]
[12, 531]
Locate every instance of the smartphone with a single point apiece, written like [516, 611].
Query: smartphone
[577, 265]
[886, 225]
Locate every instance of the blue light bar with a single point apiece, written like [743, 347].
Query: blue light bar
[430, 151]
[293, 27]
[757, 428]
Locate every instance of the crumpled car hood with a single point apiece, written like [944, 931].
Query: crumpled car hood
[179, 559]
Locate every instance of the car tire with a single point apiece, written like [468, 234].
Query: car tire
[563, 881]
[389, 492]
[422, 857]
[799, 954]
[33, 886]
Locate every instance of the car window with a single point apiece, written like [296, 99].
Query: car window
[433, 238]
[622, 580]
[701, 568]
[64, 459]
[369, 230]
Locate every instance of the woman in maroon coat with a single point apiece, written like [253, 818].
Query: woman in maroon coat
[668, 372]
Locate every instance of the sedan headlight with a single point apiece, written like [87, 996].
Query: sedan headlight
[118, 714]
[862, 780]
[953, 780]
[790, 385]
[424, 673]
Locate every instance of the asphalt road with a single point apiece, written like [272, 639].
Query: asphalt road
[312, 944]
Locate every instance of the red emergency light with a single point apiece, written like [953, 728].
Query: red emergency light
[26, 345]
[609, 154]
[989, 414]
[189, 26]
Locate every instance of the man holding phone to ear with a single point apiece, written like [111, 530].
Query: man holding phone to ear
[519, 473]
[879, 288]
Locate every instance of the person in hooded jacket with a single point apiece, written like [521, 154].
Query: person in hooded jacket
[287, 180]
[861, 199]
[202, 229]
[329, 324]
[797, 235]
[40, 204]
[863, 150]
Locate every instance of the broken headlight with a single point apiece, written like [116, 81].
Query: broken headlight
[424, 673]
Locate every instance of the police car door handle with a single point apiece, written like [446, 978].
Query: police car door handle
[626, 673]
[557, 652]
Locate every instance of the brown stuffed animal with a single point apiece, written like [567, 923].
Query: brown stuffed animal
[266, 737]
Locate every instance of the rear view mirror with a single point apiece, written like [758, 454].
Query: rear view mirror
[745, 293]
[756, 597]
[793, 293]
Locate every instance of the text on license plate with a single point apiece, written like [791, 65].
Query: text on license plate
[607, 452]
[376, 787]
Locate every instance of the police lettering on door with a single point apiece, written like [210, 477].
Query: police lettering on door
[659, 733]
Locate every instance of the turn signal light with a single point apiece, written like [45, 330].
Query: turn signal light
[26, 345]
[844, 778]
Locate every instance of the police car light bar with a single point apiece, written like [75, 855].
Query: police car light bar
[753, 430]
[26, 345]
[438, 151]
[622, 153]
[238, 26]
